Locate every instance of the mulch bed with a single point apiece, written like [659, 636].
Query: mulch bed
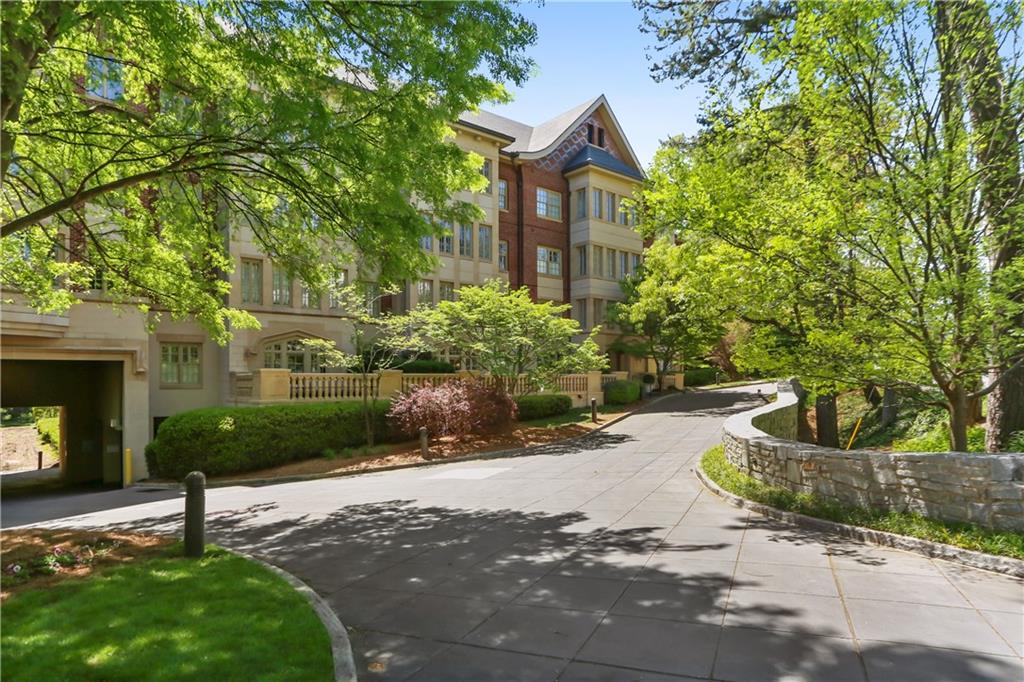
[518, 436]
[33, 558]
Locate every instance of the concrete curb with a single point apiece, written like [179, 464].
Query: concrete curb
[341, 649]
[934, 550]
[497, 454]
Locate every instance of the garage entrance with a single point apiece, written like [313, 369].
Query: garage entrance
[90, 394]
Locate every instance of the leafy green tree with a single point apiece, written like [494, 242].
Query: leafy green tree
[848, 170]
[506, 334]
[138, 137]
[665, 316]
[378, 341]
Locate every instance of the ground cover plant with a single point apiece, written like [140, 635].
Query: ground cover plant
[966, 535]
[219, 617]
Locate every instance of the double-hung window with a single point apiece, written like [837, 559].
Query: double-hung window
[503, 195]
[282, 293]
[581, 260]
[486, 172]
[252, 281]
[485, 242]
[611, 263]
[549, 203]
[466, 240]
[179, 364]
[598, 261]
[104, 78]
[613, 206]
[598, 203]
[581, 203]
[425, 292]
[623, 263]
[549, 261]
[444, 242]
[446, 291]
[502, 256]
[340, 281]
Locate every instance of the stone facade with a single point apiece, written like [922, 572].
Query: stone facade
[951, 486]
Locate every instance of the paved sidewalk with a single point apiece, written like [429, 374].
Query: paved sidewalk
[606, 560]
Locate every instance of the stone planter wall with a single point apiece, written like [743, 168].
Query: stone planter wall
[951, 486]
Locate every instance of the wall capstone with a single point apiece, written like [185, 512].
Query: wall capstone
[987, 489]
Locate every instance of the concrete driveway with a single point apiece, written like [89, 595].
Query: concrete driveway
[606, 560]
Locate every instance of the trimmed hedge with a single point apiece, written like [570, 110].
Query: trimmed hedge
[699, 376]
[229, 440]
[540, 405]
[621, 392]
[428, 367]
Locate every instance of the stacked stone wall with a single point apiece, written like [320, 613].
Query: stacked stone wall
[987, 489]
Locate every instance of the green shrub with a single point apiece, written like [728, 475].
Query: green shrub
[699, 376]
[428, 367]
[1015, 443]
[621, 392]
[229, 440]
[540, 405]
[937, 440]
[49, 430]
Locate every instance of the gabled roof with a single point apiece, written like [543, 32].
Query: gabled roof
[595, 156]
[533, 142]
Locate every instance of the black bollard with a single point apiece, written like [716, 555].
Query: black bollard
[424, 440]
[195, 514]
[593, 410]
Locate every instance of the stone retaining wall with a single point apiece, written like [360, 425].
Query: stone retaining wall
[952, 486]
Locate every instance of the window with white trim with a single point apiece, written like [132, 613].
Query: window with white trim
[104, 77]
[549, 261]
[180, 364]
[502, 256]
[549, 203]
[503, 195]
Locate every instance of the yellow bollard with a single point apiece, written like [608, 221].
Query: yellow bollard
[127, 476]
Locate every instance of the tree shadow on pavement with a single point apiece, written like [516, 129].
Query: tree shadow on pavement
[448, 593]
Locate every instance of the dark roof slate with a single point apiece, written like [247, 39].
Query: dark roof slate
[591, 155]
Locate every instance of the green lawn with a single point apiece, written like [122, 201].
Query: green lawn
[966, 535]
[219, 618]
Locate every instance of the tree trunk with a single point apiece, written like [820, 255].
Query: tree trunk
[826, 417]
[959, 413]
[1005, 411]
[998, 148]
[889, 411]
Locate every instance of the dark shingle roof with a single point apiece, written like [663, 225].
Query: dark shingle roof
[598, 157]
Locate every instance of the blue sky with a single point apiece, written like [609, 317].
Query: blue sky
[584, 49]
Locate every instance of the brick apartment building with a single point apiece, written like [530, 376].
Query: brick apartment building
[553, 221]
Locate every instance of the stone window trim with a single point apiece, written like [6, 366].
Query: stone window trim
[180, 344]
[485, 242]
[251, 268]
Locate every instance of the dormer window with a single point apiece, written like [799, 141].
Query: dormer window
[590, 133]
[600, 138]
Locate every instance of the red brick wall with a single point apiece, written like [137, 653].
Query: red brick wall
[545, 172]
